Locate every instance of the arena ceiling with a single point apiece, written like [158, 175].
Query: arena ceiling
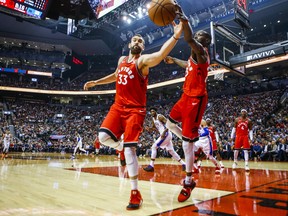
[109, 36]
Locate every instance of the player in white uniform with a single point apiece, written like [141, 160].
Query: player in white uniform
[6, 142]
[164, 141]
[205, 144]
[79, 145]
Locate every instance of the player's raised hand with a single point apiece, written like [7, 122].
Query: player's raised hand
[169, 60]
[178, 28]
[180, 14]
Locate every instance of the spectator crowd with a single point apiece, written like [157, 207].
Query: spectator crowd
[39, 126]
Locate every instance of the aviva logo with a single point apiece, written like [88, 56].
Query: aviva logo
[261, 55]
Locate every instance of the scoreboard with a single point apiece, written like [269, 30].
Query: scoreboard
[242, 13]
[32, 8]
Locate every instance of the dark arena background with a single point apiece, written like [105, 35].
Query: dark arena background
[50, 48]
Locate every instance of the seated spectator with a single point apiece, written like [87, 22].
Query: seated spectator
[256, 151]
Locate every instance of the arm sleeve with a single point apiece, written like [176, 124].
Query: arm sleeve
[217, 136]
[251, 135]
[233, 132]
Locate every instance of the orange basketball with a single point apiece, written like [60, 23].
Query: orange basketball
[162, 12]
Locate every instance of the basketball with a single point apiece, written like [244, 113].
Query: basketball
[162, 12]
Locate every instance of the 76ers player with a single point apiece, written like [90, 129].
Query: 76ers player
[192, 104]
[205, 144]
[127, 113]
[164, 141]
[243, 129]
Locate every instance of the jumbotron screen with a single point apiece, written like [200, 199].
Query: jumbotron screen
[102, 7]
[32, 8]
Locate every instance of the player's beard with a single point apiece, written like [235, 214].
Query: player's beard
[135, 50]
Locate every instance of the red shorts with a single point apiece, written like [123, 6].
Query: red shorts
[242, 141]
[189, 111]
[214, 145]
[121, 120]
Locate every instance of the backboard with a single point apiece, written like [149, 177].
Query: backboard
[225, 44]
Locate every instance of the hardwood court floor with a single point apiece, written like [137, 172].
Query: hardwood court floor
[53, 184]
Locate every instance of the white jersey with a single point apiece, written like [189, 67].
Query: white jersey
[79, 139]
[160, 142]
[7, 139]
[158, 124]
[204, 142]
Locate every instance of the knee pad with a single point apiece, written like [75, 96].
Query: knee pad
[106, 140]
[174, 128]
[103, 137]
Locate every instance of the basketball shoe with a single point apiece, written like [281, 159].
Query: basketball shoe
[234, 166]
[186, 191]
[135, 200]
[149, 168]
[217, 170]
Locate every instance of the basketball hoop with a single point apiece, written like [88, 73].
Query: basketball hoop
[216, 70]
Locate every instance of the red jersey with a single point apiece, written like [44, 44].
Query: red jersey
[242, 128]
[131, 86]
[212, 132]
[195, 78]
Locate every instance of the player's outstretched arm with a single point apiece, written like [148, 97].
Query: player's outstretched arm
[188, 32]
[172, 60]
[151, 60]
[105, 80]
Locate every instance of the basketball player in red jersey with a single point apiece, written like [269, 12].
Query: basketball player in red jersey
[192, 104]
[127, 113]
[97, 145]
[243, 129]
[215, 139]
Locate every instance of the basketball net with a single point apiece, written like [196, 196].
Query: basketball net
[214, 68]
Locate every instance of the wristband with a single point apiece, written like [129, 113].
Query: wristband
[175, 38]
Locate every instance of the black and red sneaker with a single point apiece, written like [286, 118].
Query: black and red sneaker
[135, 200]
[186, 191]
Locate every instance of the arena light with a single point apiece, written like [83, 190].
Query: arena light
[131, 15]
[39, 73]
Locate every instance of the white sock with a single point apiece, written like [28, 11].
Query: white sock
[246, 157]
[188, 179]
[134, 184]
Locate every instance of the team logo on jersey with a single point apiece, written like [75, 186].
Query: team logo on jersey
[126, 70]
[122, 78]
